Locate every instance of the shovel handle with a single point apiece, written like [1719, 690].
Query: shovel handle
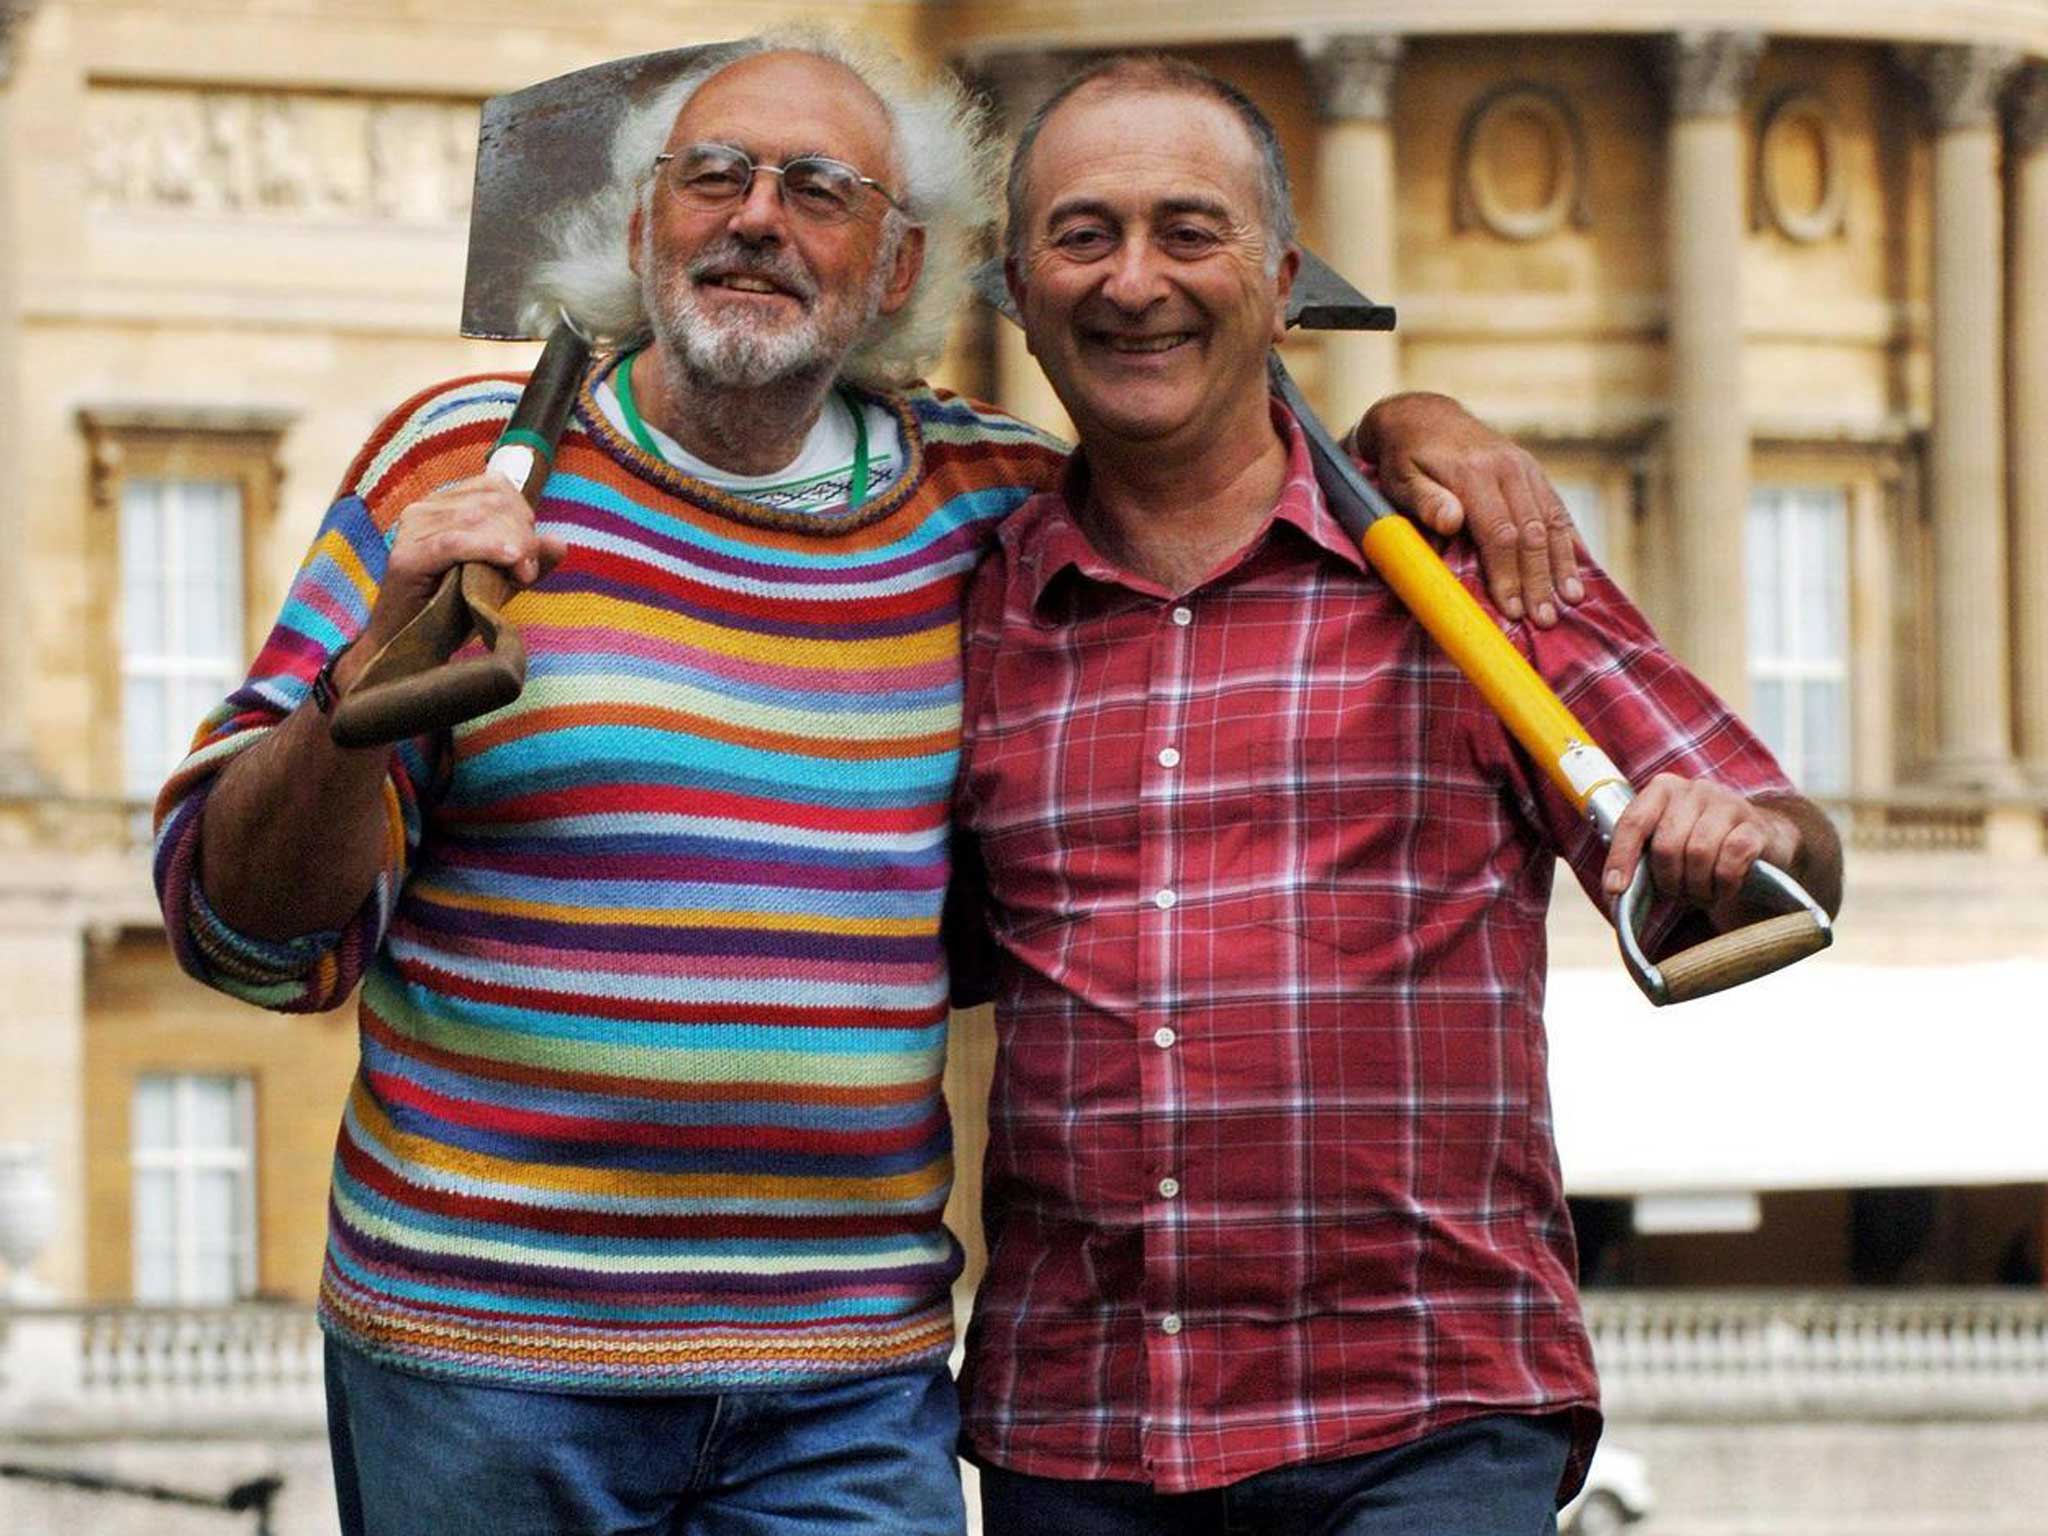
[1799, 928]
[409, 688]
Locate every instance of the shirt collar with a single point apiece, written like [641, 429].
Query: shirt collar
[1049, 540]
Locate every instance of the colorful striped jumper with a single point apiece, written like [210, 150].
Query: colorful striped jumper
[653, 1002]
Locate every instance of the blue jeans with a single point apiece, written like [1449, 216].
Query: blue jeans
[414, 1456]
[1486, 1477]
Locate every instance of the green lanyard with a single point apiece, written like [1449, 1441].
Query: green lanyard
[622, 382]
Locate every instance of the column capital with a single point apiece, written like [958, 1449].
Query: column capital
[1962, 80]
[2026, 109]
[1018, 81]
[1709, 72]
[14, 16]
[1352, 75]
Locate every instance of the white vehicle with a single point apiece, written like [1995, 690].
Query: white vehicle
[1617, 1494]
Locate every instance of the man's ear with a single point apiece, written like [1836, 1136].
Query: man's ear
[903, 274]
[634, 226]
[1283, 284]
[1013, 279]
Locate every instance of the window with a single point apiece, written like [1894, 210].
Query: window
[194, 1231]
[181, 618]
[180, 529]
[1799, 630]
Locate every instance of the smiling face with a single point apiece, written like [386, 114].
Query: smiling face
[751, 294]
[1143, 276]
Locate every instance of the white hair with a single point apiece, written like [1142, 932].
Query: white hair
[944, 150]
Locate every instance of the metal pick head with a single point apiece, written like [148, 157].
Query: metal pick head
[538, 150]
[1321, 301]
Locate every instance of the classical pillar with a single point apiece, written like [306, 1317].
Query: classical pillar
[1353, 81]
[2028, 377]
[1971, 576]
[1709, 461]
[1019, 82]
[17, 776]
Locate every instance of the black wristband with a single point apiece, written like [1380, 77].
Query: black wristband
[325, 694]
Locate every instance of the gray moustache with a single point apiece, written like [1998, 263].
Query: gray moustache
[735, 260]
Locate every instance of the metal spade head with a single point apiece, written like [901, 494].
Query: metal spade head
[1321, 301]
[539, 149]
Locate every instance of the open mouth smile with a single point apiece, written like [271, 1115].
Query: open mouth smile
[1143, 346]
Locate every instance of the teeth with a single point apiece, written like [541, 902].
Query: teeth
[1146, 343]
[749, 284]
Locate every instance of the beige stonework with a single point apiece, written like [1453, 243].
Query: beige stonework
[231, 241]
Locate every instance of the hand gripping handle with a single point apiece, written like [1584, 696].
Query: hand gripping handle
[1801, 928]
[409, 687]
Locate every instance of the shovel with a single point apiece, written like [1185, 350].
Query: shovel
[538, 149]
[1534, 715]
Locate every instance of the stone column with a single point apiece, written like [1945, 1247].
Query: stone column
[1353, 82]
[1709, 74]
[1971, 576]
[1020, 82]
[17, 776]
[2028, 376]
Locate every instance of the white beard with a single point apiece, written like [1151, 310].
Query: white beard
[722, 348]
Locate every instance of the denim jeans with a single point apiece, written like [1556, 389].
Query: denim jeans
[1486, 1477]
[414, 1456]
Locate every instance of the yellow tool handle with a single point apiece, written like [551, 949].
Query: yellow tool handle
[1536, 717]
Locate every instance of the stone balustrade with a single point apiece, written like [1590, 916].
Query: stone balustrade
[1822, 1355]
[193, 1370]
[1662, 1355]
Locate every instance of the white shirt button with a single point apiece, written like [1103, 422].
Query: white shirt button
[1169, 757]
[1169, 1188]
[1163, 1037]
[1183, 617]
[1170, 1324]
[1164, 900]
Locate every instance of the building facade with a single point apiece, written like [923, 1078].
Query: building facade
[1766, 291]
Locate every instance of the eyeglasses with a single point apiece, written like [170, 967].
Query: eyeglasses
[717, 176]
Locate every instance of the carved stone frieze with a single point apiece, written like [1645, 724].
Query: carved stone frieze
[1963, 81]
[1353, 76]
[1709, 72]
[301, 157]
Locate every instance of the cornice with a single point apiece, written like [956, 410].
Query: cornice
[978, 27]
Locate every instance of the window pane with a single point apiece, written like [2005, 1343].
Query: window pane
[156, 1275]
[1582, 499]
[142, 572]
[1768, 701]
[213, 1278]
[151, 1127]
[156, 1216]
[145, 721]
[1763, 567]
[211, 1106]
[212, 564]
[1824, 737]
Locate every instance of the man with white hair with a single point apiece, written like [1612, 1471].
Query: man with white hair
[636, 1205]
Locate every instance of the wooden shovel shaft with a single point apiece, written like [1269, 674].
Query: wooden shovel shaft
[409, 687]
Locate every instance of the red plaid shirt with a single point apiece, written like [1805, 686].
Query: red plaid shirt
[1270, 1173]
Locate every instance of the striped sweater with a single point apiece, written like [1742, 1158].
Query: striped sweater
[653, 1002]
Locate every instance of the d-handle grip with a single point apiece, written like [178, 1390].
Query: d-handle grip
[1801, 928]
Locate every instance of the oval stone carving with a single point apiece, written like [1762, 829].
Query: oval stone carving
[1800, 188]
[1522, 164]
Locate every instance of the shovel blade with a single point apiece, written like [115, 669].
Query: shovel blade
[540, 149]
